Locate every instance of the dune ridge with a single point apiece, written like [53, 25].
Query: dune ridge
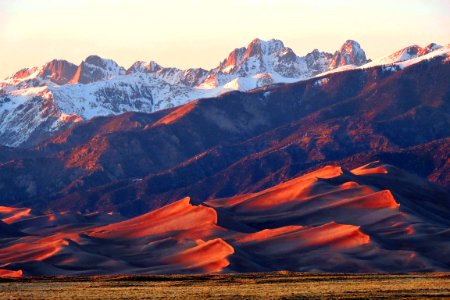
[368, 219]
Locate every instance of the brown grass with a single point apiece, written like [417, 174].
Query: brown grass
[281, 285]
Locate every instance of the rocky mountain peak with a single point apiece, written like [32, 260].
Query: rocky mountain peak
[105, 64]
[409, 52]
[22, 73]
[58, 71]
[153, 67]
[429, 48]
[234, 59]
[95, 60]
[433, 46]
[144, 67]
[94, 68]
[350, 53]
[260, 47]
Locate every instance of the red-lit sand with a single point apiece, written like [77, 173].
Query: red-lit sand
[10, 215]
[328, 220]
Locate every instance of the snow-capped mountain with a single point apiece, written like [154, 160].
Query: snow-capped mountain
[191, 77]
[37, 101]
[405, 54]
[27, 113]
[401, 59]
[266, 62]
[95, 68]
[350, 53]
[55, 72]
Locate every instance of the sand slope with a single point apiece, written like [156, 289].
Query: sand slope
[375, 218]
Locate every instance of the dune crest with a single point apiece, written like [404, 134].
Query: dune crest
[10, 274]
[332, 220]
[175, 217]
[10, 214]
[371, 168]
[209, 257]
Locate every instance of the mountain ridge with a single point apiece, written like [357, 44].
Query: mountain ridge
[239, 142]
[98, 86]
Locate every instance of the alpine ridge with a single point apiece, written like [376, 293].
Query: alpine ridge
[38, 102]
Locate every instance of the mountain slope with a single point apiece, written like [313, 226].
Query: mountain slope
[238, 142]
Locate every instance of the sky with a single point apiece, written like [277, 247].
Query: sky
[201, 33]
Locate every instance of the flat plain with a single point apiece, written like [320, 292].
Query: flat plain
[280, 285]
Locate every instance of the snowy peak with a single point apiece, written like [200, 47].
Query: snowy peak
[22, 74]
[318, 61]
[55, 72]
[234, 59]
[414, 51]
[266, 62]
[350, 53]
[94, 68]
[193, 77]
[407, 53]
[260, 59]
[105, 64]
[144, 67]
[61, 72]
[430, 48]
[257, 57]
[260, 56]
[190, 77]
[259, 48]
[58, 71]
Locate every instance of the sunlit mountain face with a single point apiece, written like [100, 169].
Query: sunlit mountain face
[270, 161]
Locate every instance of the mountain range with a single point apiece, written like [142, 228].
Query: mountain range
[37, 102]
[327, 162]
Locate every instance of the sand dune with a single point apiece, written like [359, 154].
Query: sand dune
[10, 215]
[173, 218]
[8, 273]
[210, 257]
[363, 220]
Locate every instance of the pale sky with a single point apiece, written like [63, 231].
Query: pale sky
[200, 33]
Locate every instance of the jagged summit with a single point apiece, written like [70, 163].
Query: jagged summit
[144, 67]
[190, 77]
[58, 71]
[94, 68]
[259, 47]
[350, 53]
[270, 60]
